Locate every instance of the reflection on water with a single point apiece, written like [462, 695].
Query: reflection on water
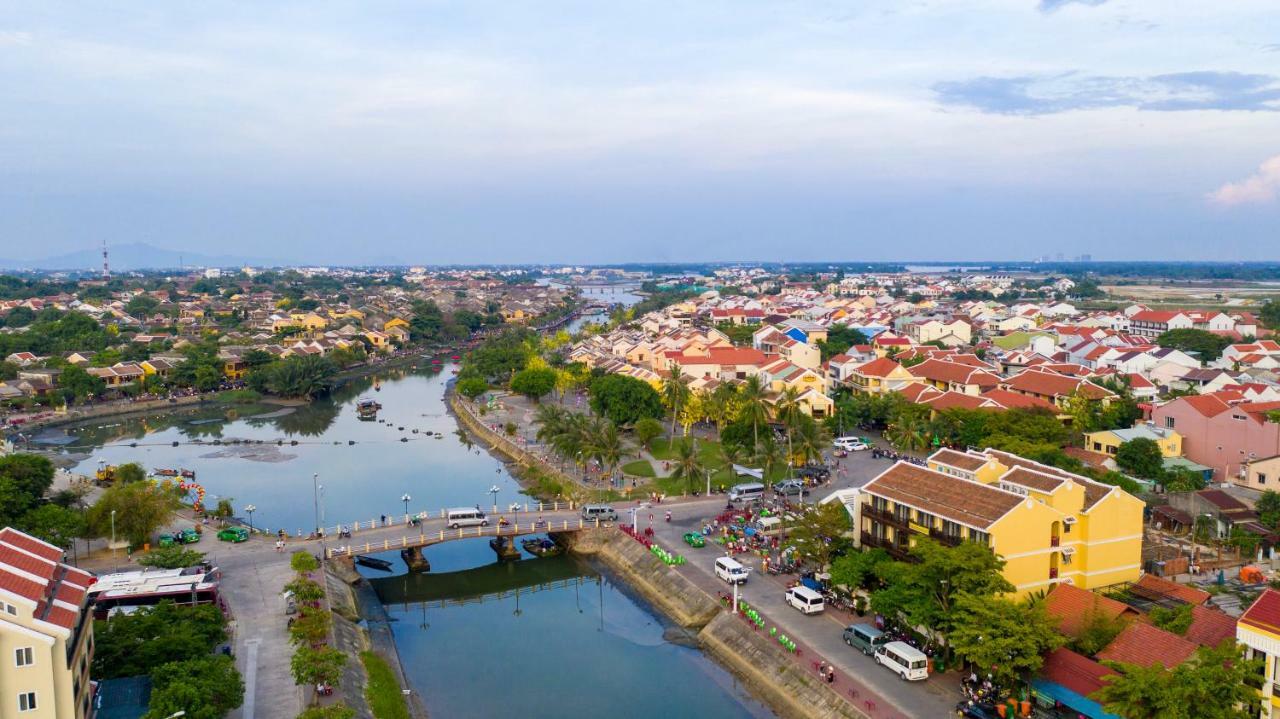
[544, 638]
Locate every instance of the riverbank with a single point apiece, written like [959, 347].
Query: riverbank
[772, 675]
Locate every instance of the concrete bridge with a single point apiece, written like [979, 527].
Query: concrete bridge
[436, 531]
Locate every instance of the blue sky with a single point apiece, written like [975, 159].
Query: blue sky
[484, 131]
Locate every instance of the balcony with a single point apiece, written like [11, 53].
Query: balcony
[949, 540]
[885, 516]
[895, 550]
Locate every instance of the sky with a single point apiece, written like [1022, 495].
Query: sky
[599, 132]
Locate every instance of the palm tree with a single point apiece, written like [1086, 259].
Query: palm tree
[721, 405]
[688, 464]
[754, 409]
[731, 454]
[770, 455]
[550, 419]
[604, 444]
[907, 433]
[675, 392]
[789, 412]
[811, 439]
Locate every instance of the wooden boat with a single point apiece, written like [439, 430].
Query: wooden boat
[165, 472]
[373, 563]
[188, 473]
[367, 409]
[541, 547]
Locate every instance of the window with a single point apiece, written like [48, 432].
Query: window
[22, 657]
[10, 609]
[924, 519]
[1169, 422]
[27, 701]
[1262, 478]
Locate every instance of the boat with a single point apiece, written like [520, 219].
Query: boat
[541, 547]
[165, 472]
[367, 409]
[373, 563]
[188, 473]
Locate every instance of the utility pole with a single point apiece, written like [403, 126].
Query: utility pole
[106, 266]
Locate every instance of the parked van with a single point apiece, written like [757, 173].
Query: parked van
[602, 512]
[805, 599]
[731, 570]
[466, 517]
[769, 526]
[746, 492]
[864, 637]
[902, 659]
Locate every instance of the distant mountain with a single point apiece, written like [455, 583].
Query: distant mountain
[138, 256]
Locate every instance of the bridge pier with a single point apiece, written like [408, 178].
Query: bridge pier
[413, 558]
[505, 548]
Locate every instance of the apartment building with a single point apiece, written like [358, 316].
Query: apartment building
[46, 632]
[1259, 630]
[1050, 526]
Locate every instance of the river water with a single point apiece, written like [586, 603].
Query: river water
[534, 638]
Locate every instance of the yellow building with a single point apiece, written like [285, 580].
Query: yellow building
[1259, 631]
[1108, 441]
[46, 632]
[1050, 526]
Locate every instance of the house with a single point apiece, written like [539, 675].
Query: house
[1055, 388]
[1050, 526]
[46, 633]
[1259, 631]
[1153, 323]
[1070, 679]
[1073, 609]
[1108, 441]
[1219, 434]
[879, 376]
[954, 376]
[950, 332]
[1146, 646]
[1261, 474]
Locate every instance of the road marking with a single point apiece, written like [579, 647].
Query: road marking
[250, 675]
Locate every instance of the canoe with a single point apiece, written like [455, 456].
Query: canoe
[373, 563]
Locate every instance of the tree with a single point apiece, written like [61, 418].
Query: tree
[625, 400]
[534, 383]
[56, 525]
[752, 407]
[203, 687]
[839, 339]
[140, 510]
[688, 464]
[303, 562]
[1218, 683]
[136, 643]
[172, 557]
[311, 666]
[1141, 457]
[305, 590]
[1202, 344]
[472, 387]
[858, 570]
[130, 472]
[1097, 631]
[603, 443]
[1268, 508]
[819, 534]
[31, 473]
[311, 626]
[675, 392]
[1176, 620]
[647, 430]
[1007, 639]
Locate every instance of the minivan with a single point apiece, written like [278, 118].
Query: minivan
[902, 659]
[602, 512]
[731, 570]
[864, 637]
[769, 526]
[804, 599]
[748, 491]
[465, 517]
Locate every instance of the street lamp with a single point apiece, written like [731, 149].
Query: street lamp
[406, 498]
[113, 533]
[250, 509]
[315, 494]
[494, 491]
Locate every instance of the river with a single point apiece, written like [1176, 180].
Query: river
[580, 645]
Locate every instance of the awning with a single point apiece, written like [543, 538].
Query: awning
[1074, 701]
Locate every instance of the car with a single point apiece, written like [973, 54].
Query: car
[695, 539]
[188, 536]
[235, 535]
[851, 443]
[166, 540]
[789, 487]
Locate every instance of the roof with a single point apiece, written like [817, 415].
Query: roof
[1032, 479]
[1264, 613]
[1072, 607]
[33, 569]
[954, 372]
[1013, 400]
[1146, 645]
[1051, 384]
[1151, 584]
[1074, 671]
[879, 367]
[960, 500]
[959, 460]
[1209, 626]
[126, 698]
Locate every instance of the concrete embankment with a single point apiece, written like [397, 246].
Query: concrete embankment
[773, 675]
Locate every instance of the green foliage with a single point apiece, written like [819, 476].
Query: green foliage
[1268, 508]
[386, 701]
[472, 387]
[305, 590]
[303, 562]
[1201, 344]
[54, 524]
[1218, 683]
[1172, 619]
[30, 473]
[819, 534]
[130, 472]
[173, 557]
[299, 376]
[737, 334]
[333, 711]
[130, 644]
[1270, 314]
[688, 466]
[53, 332]
[312, 666]
[624, 400]
[141, 509]
[647, 429]
[1097, 631]
[859, 570]
[1141, 457]
[78, 383]
[500, 355]
[203, 687]
[839, 339]
[923, 592]
[1007, 639]
[311, 626]
[534, 383]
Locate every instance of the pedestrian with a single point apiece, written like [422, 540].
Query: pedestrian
[831, 675]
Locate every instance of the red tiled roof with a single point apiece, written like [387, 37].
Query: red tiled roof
[1209, 627]
[1074, 671]
[1013, 400]
[1174, 590]
[1146, 645]
[1264, 613]
[952, 372]
[1072, 606]
[879, 367]
[951, 400]
[9, 535]
[1206, 404]
[1051, 384]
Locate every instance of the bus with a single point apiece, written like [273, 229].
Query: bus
[126, 591]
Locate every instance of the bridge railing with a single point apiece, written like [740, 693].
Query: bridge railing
[410, 519]
[425, 538]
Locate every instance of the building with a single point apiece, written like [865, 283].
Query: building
[1259, 630]
[1108, 441]
[1049, 525]
[1219, 434]
[46, 632]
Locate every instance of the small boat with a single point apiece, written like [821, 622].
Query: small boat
[367, 409]
[541, 547]
[373, 563]
[165, 472]
[188, 473]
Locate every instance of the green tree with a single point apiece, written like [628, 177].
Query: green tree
[1097, 631]
[534, 383]
[311, 666]
[675, 393]
[305, 590]
[131, 644]
[59, 526]
[130, 472]
[688, 465]
[1007, 639]
[1176, 620]
[647, 430]
[140, 510]
[858, 570]
[624, 400]
[1268, 508]
[753, 408]
[303, 562]
[32, 474]
[311, 626]
[820, 533]
[172, 557]
[203, 687]
[839, 339]
[1201, 344]
[1141, 457]
[79, 383]
[1218, 683]
[472, 387]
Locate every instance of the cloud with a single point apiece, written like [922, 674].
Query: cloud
[1053, 5]
[1261, 187]
[1042, 95]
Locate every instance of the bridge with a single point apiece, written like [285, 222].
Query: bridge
[435, 531]
[491, 582]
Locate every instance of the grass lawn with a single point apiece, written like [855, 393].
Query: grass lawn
[638, 468]
[708, 449]
[383, 691]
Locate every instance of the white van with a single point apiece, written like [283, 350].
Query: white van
[731, 570]
[465, 517]
[747, 492]
[769, 526]
[904, 660]
[805, 599]
[602, 512]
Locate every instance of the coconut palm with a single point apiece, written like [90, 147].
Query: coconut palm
[753, 406]
[907, 433]
[811, 439]
[604, 444]
[770, 455]
[789, 411]
[688, 464]
[550, 419]
[675, 392]
[721, 405]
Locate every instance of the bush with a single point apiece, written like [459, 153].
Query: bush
[472, 387]
[311, 666]
[386, 700]
[175, 557]
[333, 711]
[204, 688]
[303, 562]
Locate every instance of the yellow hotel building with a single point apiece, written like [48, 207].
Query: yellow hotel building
[1259, 630]
[1050, 526]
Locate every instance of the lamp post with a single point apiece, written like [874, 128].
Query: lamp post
[113, 534]
[315, 494]
[494, 491]
[249, 509]
[406, 499]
